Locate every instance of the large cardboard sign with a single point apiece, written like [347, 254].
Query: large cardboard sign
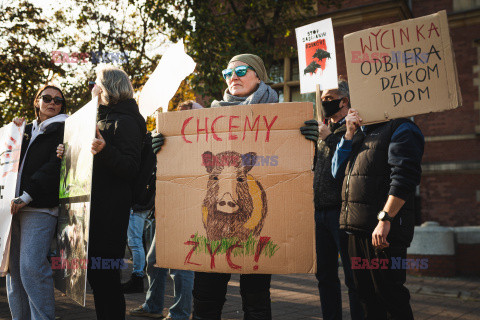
[402, 69]
[70, 265]
[11, 138]
[317, 59]
[234, 190]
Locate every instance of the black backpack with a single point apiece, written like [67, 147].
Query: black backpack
[144, 184]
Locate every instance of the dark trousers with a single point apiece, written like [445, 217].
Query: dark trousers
[381, 290]
[329, 241]
[210, 289]
[107, 293]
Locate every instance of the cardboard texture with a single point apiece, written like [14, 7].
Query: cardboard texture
[234, 190]
[11, 138]
[317, 58]
[402, 69]
[70, 265]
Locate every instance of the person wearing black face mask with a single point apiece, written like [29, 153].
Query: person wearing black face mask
[329, 239]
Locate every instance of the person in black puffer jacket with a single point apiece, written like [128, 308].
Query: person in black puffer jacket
[121, 131]
[330, 240]
[381, 166]
[35, 210]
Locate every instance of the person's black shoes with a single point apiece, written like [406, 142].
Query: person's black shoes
[134, 285]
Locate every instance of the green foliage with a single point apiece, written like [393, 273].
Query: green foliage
[119, 26]
[24, 64]
[214, 31]
[28, 37]
[247, 247]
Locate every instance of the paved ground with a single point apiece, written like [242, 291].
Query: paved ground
[296, 297]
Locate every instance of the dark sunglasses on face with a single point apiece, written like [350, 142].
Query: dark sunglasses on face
[239, 71]
[48, 98]
[91, 84]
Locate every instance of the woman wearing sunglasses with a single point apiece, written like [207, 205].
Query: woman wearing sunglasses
[35, 210]
[245, 77]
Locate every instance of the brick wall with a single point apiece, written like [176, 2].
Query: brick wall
[447, 198]
[438, 266]
[468, 259]
[450, 199]
[464, 119]
[458, 150]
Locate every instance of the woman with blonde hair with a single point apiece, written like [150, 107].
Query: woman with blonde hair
[121, 131]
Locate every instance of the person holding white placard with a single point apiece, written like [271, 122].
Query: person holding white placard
[35, 210]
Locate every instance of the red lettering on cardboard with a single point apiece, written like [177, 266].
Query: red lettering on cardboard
[247, 121]
[230, 127]
[185, 123]
[202, 130]
[269, 127]
[189, 255]
[213, 128]
[212, 255]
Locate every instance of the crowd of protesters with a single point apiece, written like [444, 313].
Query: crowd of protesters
[364, 184]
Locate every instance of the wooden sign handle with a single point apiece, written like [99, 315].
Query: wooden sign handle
[318, 105]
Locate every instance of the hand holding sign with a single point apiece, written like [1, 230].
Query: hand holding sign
[353, 122]
[98, 143]
[18, 121]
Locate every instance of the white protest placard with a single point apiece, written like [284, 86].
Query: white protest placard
[10, 147]
[317, 60]
[174, 66]
[70, 264]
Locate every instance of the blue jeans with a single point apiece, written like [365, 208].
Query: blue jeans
[30, 283]
[135, 236]
[329, 241]
[183, 286]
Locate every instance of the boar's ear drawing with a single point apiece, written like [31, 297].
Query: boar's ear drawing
[248, 160]
[208, 161]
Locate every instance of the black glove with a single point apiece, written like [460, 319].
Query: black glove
[310, 131]
[157, 142]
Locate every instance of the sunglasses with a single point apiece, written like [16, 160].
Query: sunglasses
[239, 71]
[48, 98]
[91, 84]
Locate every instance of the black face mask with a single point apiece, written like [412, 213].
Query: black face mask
[330, 107]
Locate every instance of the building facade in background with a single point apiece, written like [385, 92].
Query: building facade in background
[449, 192]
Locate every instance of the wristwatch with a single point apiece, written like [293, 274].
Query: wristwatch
[383, 216]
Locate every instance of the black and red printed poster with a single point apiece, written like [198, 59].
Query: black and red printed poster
[316, 56]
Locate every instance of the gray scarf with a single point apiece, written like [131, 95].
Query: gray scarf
[264, 94]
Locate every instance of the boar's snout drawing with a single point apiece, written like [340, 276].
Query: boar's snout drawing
[235, 204]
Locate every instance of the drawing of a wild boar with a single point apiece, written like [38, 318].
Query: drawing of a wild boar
[311, 68]
[321, 54]
[235, 204]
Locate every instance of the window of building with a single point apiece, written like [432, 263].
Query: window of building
[285, 80]
[463, 5]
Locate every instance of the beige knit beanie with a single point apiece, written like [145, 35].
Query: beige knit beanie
[253, 61]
